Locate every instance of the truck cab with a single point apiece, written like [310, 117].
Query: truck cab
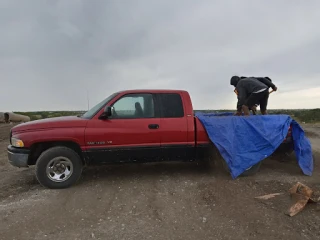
[141, 126]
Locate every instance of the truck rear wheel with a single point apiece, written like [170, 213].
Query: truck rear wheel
[248, 172]
[58, 167]
[215, 157]
[252, 170]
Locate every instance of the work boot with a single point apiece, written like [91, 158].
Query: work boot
[246, 110]
[254, 108]
[264, 112]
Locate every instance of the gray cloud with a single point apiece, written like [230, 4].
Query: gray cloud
[52, 51]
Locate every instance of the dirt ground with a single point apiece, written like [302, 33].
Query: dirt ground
[158, 201]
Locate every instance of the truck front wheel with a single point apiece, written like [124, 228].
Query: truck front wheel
[58, 167]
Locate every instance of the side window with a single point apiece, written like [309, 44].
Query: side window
[171, 105]
[134, 106]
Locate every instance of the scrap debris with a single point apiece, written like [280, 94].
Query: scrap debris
[300, 194]
[268, 196]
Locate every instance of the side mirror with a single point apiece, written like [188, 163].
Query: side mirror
[106, 113]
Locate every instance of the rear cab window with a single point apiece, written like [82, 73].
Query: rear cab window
[171, 105]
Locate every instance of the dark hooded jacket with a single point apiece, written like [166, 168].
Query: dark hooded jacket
[246, 86]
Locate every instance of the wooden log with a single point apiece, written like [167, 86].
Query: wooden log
[13, 117]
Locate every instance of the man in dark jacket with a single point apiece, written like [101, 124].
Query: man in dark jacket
[252, 91]
[254, 108]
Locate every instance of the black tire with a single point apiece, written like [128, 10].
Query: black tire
[282, 157]
[249, 172]
[225, 165]
[214, 158]
[68, 157]
[217, 160]
[252, 171]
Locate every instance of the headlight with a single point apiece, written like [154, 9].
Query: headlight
[17, 142]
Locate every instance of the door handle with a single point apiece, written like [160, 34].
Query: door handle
[153, 126]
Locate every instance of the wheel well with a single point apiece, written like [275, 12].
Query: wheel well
[38, 148]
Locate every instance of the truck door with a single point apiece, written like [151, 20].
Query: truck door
[174, 127]
[132, 133]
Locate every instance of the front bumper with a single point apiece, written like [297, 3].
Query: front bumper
[18, 157]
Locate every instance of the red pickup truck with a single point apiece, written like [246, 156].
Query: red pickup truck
[128, 126]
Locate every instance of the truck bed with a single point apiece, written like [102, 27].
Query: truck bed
[202, 137]
[245, 141]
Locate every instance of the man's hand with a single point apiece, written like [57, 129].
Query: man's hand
[237, 113]
[254, 108]
[275, 88]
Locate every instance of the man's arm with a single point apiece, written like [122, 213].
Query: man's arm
[268, 83]
[241, 96]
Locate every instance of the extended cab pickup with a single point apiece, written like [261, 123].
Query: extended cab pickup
[128, 126]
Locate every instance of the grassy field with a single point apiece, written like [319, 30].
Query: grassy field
[301, 115]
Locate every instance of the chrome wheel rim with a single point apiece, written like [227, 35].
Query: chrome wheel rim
[59, 169]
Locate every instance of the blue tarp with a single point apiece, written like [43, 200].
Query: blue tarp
[245, 141]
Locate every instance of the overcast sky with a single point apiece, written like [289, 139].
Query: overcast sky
[52, 52]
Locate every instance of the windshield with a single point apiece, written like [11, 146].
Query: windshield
[93, 111]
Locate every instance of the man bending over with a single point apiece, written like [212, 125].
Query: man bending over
[252, 91]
